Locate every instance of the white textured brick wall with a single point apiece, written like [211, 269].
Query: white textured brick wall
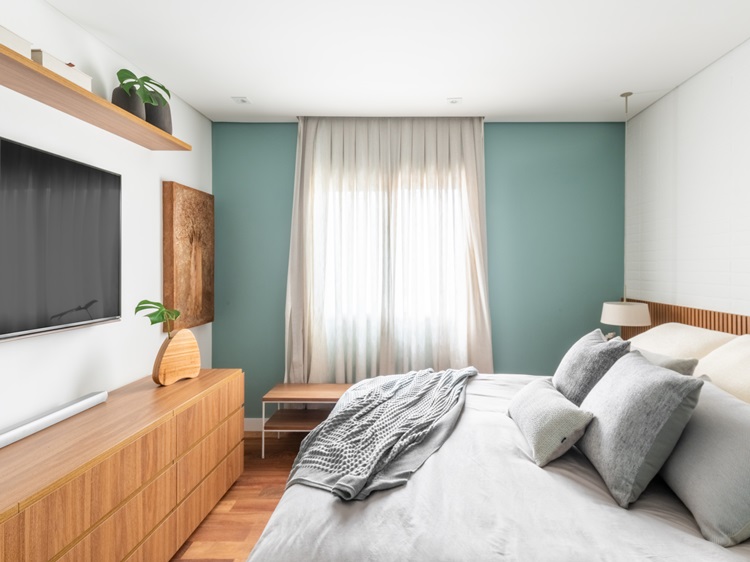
[687, 192]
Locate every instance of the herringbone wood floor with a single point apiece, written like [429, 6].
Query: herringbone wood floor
[231, 530]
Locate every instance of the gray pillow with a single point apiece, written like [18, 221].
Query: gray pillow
[550, 423]
[682, 366]
[639, 412]
[585, 363]
[708, 469]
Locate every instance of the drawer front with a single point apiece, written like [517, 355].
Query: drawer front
[10, 539]
[63, 515]
[235, 466]
[203, 458]
[125, 528]
[177, 528]
[202, 417]
[203, 499]
[160, 546]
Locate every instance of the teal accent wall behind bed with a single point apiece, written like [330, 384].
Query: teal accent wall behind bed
[555, 230]
[555, 236]
[254, 166]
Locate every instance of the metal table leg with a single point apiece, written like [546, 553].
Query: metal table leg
[263, 431]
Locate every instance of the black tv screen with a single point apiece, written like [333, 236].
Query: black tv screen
[59, 242]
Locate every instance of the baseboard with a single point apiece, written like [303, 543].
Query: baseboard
[253, 424]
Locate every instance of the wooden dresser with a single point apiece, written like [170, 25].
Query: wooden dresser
[130, 479]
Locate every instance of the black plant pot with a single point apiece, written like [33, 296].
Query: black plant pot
[133, 103]
[160, 116]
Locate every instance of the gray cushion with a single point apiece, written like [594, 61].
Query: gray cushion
[550, 423]
[585, 363]
[639, 412]
[682, 366]
[709, 467]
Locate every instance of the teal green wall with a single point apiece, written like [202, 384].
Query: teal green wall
[555, 236]
[253, 179]
[555, 216]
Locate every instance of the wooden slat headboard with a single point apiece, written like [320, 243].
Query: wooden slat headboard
[662, 313]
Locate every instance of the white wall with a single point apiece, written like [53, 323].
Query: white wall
[42, 372]
[687, 194]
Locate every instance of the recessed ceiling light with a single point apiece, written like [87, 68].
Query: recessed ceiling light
[240, 99]
[455, 101]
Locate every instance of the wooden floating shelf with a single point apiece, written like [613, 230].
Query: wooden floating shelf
[35, 81]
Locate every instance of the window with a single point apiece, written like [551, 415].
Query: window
[387, 270]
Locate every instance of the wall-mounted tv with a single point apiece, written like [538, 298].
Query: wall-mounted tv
[59, 242]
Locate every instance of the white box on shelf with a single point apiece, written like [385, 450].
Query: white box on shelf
[14, 42]
[59, 67]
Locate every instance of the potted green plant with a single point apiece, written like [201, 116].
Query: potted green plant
[179, 356]
[149, 101]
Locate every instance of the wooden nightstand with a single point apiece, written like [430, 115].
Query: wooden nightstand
[298, 420]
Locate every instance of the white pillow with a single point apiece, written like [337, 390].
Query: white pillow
[729, 367]
[708, 468]
[550, 423]
[680, 340]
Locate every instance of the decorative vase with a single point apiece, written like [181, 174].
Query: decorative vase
[179, 358]
[160, 116]
[132, 104]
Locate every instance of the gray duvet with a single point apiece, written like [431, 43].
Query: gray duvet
[480, 497]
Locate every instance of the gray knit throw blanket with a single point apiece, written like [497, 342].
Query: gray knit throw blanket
[380, 432]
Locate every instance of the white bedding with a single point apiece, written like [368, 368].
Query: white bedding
[481, 497]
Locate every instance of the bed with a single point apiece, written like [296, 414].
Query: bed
[481, 496]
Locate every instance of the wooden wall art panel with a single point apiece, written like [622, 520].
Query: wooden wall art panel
[188, 239]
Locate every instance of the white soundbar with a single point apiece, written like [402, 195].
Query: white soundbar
[51, 417]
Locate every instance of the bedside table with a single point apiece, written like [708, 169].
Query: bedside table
[293, 420]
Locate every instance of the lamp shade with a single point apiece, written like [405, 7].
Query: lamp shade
[626, 314]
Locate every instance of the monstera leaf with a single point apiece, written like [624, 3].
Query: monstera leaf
[160, 313]
[145, 87]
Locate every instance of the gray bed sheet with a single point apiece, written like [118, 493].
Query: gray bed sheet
[482, 498]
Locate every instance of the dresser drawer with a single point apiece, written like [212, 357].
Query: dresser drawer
[119, 533]
[203, 499]
[160, 545]
[61, 516]
[203, 458]
[10, 539]
[198, 419]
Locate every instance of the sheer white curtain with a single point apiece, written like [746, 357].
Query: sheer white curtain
[388, 263]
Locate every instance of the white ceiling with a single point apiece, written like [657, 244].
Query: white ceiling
[510, 60]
